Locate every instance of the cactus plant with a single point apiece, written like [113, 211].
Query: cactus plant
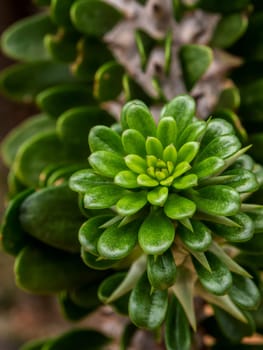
[167, 219]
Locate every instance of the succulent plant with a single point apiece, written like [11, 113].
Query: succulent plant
[175, 192]
[166, 210]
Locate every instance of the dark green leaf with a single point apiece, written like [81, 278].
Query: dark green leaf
[161, 271]
[232, 328]
[243, 233]
[223, 6]
[117, 242]
[177, 330]
[94, 17]
[27, 129]
[199, 239]
[13, 237]
[229, 29]
[108, 81]
[131, 203]
[39, 151]
[95, 263]
[178, 207]
[52, 216]
[45, 270]
[24, 39]
[107, 163]
[69, 309]
[90, 232]
[60, 12]
[15, 84]
[58, 99]
[156, 233]
[146, 309]
[83, 180]
[217, 200]
[244, 293]
[102, 196]
[208, 167]
[102, 138]
[219, 280]
[133, 142]
[182, 109]
[195, 60]
[216, 127]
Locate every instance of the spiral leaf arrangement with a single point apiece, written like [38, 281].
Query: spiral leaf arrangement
[175, 195]
[169, 205]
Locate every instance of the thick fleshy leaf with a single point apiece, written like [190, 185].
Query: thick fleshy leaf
[82, 337]
[107, 163]
[184, 182]
[136, 115]
[221, 146]
[195, 60]
[133, 142]
[181, 168]
[177, 329]
[156, 233]
[60, 12]
[15, 84]
[182, 109]
[83, 180]
[94, 17]
[13, 141]
[13, 237]
[208, 167]
[243, 233]
[135, 163]
[146, 309]
[192, 132]
[62, 46]
[217, 200]
[158, 196]
[167, 131]
[41, 150]
[90, 232]
[102, 196]
[147, 181]
[244, 293]
[216, 127]
[102, 138]
[95, 263]
[170, 154]
[154, 147]
[107, 288]
[233, 329]
[47, 270]
[219, 280]
[229, 29]
[85, 296]
[178, 207]
[108, 81]
[229, 99]
[126, 179]
[252, 246]
[161, 271]
[58, 99]
[227, 260]
[131, 203]
[74, 125]
[199, 239]
[24, 39]
[257, 216]
[60, 217]
[117, 242]
[188, 152]
[243, 180]
[86, 65]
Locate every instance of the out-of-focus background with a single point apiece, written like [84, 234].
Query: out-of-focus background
[22, 316]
